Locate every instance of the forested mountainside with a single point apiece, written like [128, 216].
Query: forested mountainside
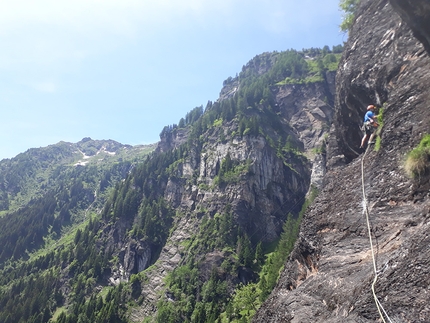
[47, 189]
[196, 231]
[329, 274]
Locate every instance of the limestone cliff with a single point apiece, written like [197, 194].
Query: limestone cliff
[328, 276]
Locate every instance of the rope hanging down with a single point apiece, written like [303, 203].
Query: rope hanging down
[377, 302]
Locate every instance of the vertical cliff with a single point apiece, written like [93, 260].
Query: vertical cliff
[329, 274]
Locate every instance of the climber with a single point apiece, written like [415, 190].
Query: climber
[369, 126]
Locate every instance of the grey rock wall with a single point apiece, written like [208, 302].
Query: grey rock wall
[329, 274]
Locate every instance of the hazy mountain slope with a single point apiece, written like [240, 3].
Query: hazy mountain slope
[328, 276]
[32, 173]
[45, 189]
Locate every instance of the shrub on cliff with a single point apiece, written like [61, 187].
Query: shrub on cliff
[349, 7]
[418, 160]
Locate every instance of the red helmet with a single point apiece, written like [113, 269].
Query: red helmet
[371, 107]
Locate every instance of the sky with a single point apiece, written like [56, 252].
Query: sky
[124, 69]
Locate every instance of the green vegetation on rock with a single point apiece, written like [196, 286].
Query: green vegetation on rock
[418, 159]
[349, 8]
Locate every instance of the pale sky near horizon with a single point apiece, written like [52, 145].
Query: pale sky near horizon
[122, 70]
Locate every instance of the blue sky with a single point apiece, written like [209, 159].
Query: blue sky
[123, 69]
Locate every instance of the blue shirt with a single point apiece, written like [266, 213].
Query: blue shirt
[369, 116]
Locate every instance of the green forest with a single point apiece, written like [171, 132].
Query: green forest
[57, 217]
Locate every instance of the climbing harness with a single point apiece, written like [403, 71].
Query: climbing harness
[377, 302]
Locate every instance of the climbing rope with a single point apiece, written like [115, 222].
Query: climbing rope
[377, 302]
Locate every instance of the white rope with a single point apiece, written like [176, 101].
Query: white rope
[377, 302]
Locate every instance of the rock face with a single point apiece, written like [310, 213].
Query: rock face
[328, 276]
[417, 15]
[137, 256]
[172, 140]
[308, 109]
[383, 64]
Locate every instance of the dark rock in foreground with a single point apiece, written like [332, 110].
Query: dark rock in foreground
[328, 276]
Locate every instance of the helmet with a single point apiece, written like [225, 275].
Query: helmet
[370, 107]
